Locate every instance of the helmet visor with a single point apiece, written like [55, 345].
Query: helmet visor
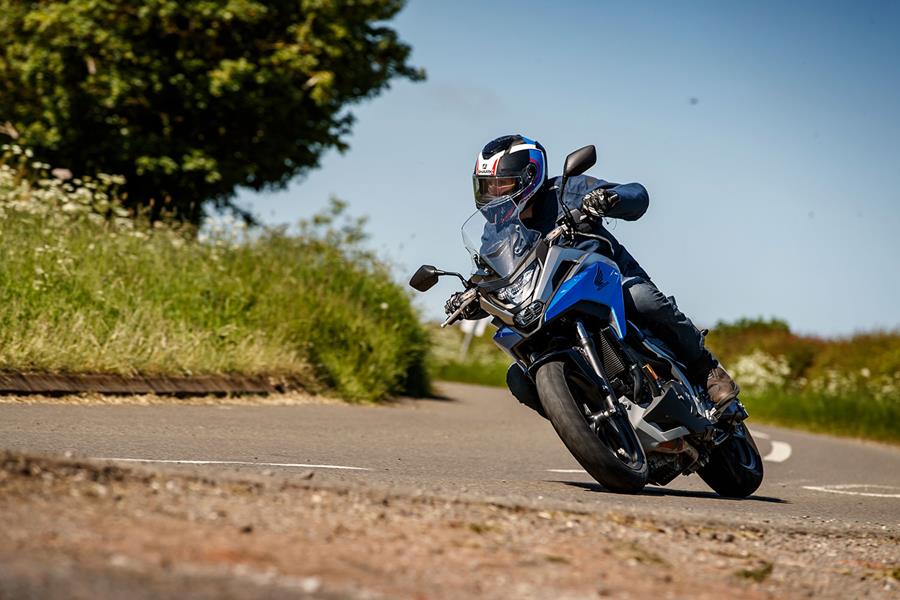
[488, 189]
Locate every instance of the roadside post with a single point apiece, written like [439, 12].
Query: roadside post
[471, 329]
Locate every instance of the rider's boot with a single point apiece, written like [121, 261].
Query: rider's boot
[721, 387]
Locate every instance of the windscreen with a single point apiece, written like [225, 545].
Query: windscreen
[496, 235]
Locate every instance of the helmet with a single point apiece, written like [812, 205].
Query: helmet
[513, 166]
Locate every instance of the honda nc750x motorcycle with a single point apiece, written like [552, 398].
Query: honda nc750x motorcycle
[617, 397]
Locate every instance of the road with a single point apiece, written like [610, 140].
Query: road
[476, 442]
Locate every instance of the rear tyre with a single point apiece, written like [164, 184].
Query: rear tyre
[608, 449]
[735, 468]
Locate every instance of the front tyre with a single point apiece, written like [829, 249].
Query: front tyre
[607, 448]
[735, 468]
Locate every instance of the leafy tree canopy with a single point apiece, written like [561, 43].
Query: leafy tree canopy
[191, 99]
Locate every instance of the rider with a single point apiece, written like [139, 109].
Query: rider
[516, 166]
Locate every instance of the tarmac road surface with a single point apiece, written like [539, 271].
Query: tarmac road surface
[477, 442]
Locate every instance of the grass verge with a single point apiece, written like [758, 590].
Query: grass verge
[84, 289]
[859, 416]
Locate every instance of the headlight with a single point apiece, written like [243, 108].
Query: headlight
[520, 289]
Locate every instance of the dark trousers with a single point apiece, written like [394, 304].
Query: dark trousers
[650, 309]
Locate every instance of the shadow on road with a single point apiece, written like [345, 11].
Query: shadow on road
[660, 491]
[433, 397]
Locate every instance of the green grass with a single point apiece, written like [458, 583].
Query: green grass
[83, 289]
[848, 415]
[493, 373]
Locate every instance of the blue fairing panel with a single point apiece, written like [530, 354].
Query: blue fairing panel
[506, 338]
[600, 283]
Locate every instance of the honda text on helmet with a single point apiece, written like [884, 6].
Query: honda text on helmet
[510, 166]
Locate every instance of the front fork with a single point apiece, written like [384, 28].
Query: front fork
[590, 353]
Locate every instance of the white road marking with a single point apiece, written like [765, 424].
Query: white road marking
[848, 488]
[780, 452]
[235, 462]
[566, 471]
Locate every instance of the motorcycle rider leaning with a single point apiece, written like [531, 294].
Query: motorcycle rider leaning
[516, 166]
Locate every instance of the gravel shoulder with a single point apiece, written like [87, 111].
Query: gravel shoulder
[79, 529]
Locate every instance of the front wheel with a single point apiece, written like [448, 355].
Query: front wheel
[735, 468]
[608, 447]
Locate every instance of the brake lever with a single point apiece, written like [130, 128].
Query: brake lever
[472, 293]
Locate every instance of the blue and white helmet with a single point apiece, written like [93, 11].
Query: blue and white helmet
[513, 166]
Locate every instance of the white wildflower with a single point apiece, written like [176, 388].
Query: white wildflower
[760, 370]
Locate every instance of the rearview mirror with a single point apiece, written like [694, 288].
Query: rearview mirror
[425, 278]
[580, 161]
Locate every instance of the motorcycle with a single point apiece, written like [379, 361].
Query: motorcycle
[616, 395]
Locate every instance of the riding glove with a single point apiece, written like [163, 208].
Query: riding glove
[472, 311]
[599, 202]
[453, 303]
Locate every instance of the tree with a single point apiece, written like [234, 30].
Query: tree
[192, 99]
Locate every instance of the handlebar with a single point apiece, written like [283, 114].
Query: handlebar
[563, 228]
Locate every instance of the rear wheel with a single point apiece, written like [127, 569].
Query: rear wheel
[735, 468]
[606, 446]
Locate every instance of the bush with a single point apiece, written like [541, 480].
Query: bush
[83, 288]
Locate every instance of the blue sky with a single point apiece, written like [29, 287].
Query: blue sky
[774, 192]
